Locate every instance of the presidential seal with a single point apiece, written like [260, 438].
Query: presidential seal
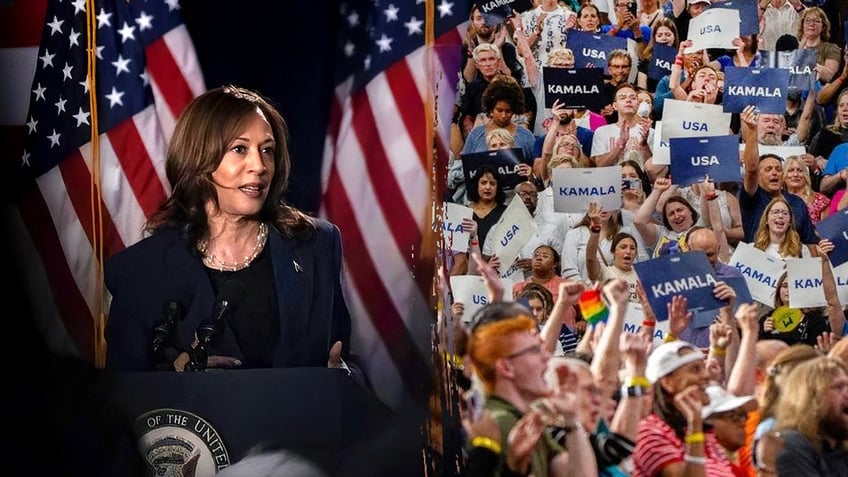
[177, 443]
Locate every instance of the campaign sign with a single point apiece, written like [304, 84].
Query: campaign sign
[661, 147]
[835, 229]
[689, 274]
[694, 158]
[574, 188]
[761, 271]
[515, 228]
[592, 49]
[800, 63]
[661, 60]
[748, 15]
[714, 28]
[456, 238]
[690, 119]
[840, 274]
[804, 276]
[634, 315]
[765, 88]
[470, 290]
[506, 162]
[496, 11]
[574, 88]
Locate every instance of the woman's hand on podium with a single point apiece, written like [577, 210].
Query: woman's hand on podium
[335, 359]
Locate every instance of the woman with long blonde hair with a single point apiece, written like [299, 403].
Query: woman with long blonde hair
[776, 234]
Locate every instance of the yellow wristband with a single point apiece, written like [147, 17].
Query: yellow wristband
[640, 381]
[694, 438]
[488, 443]
[718, 351]
[669, 338]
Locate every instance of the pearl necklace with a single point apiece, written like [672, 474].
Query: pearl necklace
[212, 261]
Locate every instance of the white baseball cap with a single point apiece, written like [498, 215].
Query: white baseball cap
[666, 358]
[722, 400]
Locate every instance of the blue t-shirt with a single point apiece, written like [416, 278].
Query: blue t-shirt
[837, 160]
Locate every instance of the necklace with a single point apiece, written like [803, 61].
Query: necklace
[211, 261]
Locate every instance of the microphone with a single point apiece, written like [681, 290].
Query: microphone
[229, 297]
[165, 349]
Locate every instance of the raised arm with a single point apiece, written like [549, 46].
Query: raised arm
[562, 313]
[741, 380]
[606, 361]
[803, 129]
[593, 266]
[642, 220]
[834, 308]
[751, 152]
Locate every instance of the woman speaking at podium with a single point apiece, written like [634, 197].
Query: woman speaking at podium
[229, 276]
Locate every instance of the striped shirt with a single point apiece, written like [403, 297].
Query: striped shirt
[657, 446]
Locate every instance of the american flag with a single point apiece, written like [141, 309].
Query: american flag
[384, 162]
[83, 200]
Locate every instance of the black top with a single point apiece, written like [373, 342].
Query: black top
[813, 323]
[254, 321]
[486, 223]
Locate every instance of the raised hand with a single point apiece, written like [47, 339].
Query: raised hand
[617, 292]
[661, 184]
[678, 316]
[747, 317]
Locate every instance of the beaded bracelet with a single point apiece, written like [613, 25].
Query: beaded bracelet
[488, 443]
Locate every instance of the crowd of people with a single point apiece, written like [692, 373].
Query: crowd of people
[531, 381]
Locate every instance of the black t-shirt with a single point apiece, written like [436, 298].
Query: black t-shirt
[813, 323]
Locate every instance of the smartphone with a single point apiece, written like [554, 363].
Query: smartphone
[631, 7]
[627, 184]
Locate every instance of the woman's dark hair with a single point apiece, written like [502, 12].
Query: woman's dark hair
[503, 88]
[677, 198]
[471, 188]
[203, 134]
[536, 290]
[643, 176]
[619, 237]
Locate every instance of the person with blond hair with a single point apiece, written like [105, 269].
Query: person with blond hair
[813, 419]
[797, 181]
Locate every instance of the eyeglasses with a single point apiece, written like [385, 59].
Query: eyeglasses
[779, 213]
[622, 5]
[527, 193]
[631, 97]
[619, 66]
[534, 349]
[812, 20]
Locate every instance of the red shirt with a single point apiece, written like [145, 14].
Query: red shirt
[658, 446]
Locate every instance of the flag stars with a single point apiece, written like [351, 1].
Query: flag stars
[367, 62]
[46, 58]
[99, 52]
[84, 85]
[66, 71]
[115, 98]
[122, 65]
[145, 78]
[385, 43]
[39, 92]
[32, 125]
[25, 159]
[391, 13]
[413, 26]
[349, 49]
[55, 26]
[127, 33]
[173, 5]
[104, 18]
[73, 38]
[82, 117]
[79, 6]
[445, 9]
[353, 19]
[144, 22]
[54, 139]
[60, 105]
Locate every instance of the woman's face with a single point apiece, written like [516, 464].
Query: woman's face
[538, 309]
[679, 216]
[498, 142]
[487, 187]
[624, 254]
[502, 114]
[664, 36]
[779, 218]
[588, 20]
[544, 261]
[245, 172]
[795, 177]
[842, 110]
[812, 25]
[784, 292]
[688, 375]
[569, 145]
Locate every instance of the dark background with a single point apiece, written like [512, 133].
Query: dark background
[285, 51]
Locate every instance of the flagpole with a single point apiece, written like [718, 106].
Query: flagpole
[95, 190]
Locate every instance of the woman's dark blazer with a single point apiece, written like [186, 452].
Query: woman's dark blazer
[162, 268]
